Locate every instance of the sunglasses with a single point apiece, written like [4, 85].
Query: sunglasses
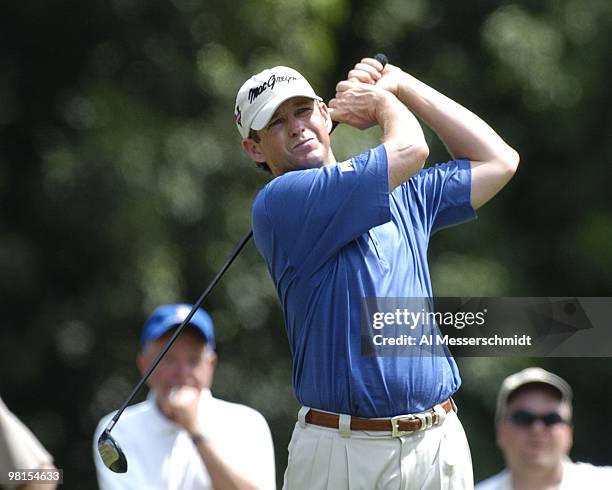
[523, 418]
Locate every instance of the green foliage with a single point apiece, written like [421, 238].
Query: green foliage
[124, 186]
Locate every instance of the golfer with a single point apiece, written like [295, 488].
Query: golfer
[333, 233]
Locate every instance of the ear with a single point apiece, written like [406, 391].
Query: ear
[142, 362]
[253, 149]
[326, 116]
[499, 436]
[212, 358]
[570, 437]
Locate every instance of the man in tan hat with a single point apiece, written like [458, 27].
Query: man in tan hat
[534, 431]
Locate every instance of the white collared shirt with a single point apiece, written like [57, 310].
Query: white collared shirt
[161, 455]
[576, 476]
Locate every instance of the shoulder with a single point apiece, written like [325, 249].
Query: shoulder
[295, 179]
[141, 412]
[378, 153]
[585, 471]
[289, 179]
[363, 176]
[251, 422]
[280, 198]
[501, 481]
[231, 409]
[285, 184]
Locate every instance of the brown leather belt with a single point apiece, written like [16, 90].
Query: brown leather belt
[398, 426]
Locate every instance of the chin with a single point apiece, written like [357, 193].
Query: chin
[318, 163]
[304, 165]
[314, 160]
[540, 459]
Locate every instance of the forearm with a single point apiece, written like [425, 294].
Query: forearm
[362, 105]
[222, 476]
[464, 133]
[493, 162]
[403, 139]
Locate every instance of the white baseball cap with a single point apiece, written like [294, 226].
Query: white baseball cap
[533, 376]
[261, 95]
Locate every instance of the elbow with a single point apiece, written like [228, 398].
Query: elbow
[420, 153]
[411, 154]
[404, 160]
[507, 162]
[510, 160]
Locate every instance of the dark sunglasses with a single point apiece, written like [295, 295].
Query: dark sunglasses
[523, 418]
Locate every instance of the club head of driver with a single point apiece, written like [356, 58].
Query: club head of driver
[111, 453]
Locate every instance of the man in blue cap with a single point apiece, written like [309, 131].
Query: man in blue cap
[182, 437]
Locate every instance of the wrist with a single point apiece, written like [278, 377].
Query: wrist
[386, 103]
[193, 428]
[198, 437]
[409, 89]
[393, 116]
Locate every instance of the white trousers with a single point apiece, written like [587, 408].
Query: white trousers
[435, 459]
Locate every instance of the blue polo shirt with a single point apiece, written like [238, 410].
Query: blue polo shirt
[334, 235]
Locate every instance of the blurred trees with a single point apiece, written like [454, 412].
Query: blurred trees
[123, 186]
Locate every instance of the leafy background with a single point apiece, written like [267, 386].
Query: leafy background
[123, 186]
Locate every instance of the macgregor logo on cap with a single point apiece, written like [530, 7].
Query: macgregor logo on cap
[257, 91]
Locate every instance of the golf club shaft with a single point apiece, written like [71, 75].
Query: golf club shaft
[178, 331]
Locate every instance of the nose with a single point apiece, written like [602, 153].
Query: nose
[538, 425]
[295, 126]
[183, 372]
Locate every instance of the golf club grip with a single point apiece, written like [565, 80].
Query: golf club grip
[178, 331]
[383, 60]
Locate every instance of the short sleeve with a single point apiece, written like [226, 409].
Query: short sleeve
[310, 214]
[441, 194]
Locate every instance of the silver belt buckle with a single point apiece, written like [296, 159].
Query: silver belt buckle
[426, 419]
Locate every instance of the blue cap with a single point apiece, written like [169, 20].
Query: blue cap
[167, 316]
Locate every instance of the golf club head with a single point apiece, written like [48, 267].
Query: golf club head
[111, 453]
